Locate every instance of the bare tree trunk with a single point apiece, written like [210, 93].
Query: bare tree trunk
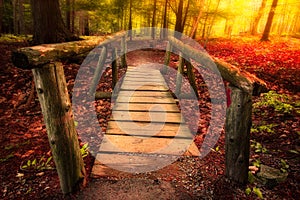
[196, 22]
[185, 15]
[48, 23]
[21, 17]
[86, 23]
[265, 36]
[178, 24]
[68, 14]
[1, 15]
[164, 33]
[153, 20]
[72, 16]
[258, 17]
[130, 19]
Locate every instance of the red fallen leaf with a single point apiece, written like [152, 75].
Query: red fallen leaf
[27, 154]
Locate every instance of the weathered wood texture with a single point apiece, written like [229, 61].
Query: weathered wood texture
[238, 125]
[179, 75]
[238, 118]
[31, 57]
[167, 58]
[99, 68]
[114, 67]
[145, 121]
[240, 78]
[237, 77]
[56, 107]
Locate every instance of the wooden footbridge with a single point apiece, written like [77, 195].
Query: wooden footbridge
[134, 109]
[145, 122]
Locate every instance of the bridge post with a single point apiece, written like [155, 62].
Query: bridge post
[167, 58]
[237, 138]
[123, 52]
[114, 67]
[57, 111]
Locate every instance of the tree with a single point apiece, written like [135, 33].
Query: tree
[258, 17]
[153, 20]
[18, 16]
[181, 17]
[1, 15]
[48, 24]
[265, 36]
[130, 19]
[197, 20]
[68, 14]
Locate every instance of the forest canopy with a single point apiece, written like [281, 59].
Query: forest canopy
[200, 18]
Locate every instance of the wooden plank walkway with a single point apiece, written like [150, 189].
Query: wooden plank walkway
[146, 126]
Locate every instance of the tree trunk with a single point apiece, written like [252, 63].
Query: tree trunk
[48, 23]
[73, 16]
[164, 32]
[130, 19]
[178, 24]
[265, 36]
[237, 137]
[68, 14]
[196, 22]
[1, 15]
[86, 23]
[185, 16]
[56, 107]
[258, 17]
[153, 20]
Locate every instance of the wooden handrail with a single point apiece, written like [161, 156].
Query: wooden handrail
[37, 56]
[237, 77]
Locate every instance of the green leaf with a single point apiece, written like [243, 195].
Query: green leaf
[251, 178]
[48, 160]
[29, 163]
[294, 151]
[248, 191]
[76, 123]
[258, 192]
[34, 162]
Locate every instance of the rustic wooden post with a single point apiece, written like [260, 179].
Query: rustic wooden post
[123, 52]
[167, 58]
[98, 70]
[237, 128]
[56, 107]
[179, 75]
[114, 67]
[191, 76]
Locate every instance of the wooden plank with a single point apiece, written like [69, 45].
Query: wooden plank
[150, 79]
[144, 94]
[143, 144]
[154, 99]
[153, 87]
[144, 107]
[147, 117]
[144, 129]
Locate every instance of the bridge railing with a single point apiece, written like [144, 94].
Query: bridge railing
[45, 62]
[238, 115]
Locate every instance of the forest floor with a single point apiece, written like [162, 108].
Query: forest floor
[275, 135]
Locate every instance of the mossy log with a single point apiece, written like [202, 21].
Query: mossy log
[37, 56]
